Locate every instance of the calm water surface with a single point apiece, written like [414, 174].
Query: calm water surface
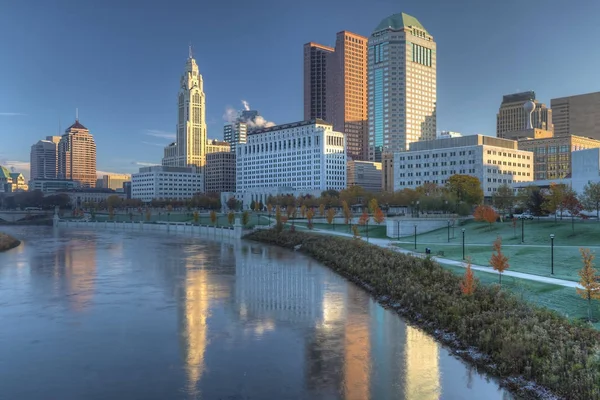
[116, 315]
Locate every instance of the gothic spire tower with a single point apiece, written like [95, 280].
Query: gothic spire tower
[189, 148]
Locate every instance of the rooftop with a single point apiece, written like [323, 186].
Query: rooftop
[76, 125]
[4, 173]
[399, 21]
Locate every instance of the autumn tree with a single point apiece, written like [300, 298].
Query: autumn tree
[245, 218]
[290, 210]
[347, 213]
[466, 188]
[230, 217]
[490, 215]
[231, 203]
[499, 261]
[310, 213]
[571, 203]
[213, 217]
[589, 280]
[553, 201]
[590, 198]
[504, 198]
[364, 218]
[379, 217]
[478, 213]
[373, 205]
[111, 213]
[256, 207]
[531, 198]
[196, 217]
[355, 232]
[148, 214]
[278, 220]
[303, 211]
[468, 283]
[322, 210]
[331, 217]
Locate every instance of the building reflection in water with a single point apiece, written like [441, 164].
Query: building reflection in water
[357, 354]
[422, 374]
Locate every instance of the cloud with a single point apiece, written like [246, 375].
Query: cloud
[18, 166]
[154, 144]
[11, 114]
[246, 105]
[230, 115]
[160, 134]
[260, 122]
[143, 164]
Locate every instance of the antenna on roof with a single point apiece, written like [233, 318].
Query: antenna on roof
[190, 49]
[77, 114]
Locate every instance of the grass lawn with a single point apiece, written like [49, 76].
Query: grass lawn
[533, 257]
[564, 300]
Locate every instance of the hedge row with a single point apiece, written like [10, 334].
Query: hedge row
[519, 341]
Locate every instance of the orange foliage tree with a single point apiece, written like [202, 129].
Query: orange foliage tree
[378, 216]
[303, 211]
[485, 214]
[355, 232]
[499, 261]
[309, 216]
[322, 210]
[330, 217]
[347, 213]
[589, 280]
[364, 217]
[468, 283]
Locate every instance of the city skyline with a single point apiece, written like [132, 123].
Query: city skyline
[470, 87]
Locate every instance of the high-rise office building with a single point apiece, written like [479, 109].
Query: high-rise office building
[220, 172]
[189, 149]
[235, 133]
[514, 116]
[577, 115]
[316, 59]
[44, 159]
[402, 85]
[77, 155]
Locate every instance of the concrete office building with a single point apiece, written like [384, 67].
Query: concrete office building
[402, 85]
[235, 133]
[316, 59]
[307, 156]
[448, 134]
[79, 197]
[513, 115]
[77, 155]
[52, 185]
[552, 155]
[492, 160]
[220, 172]
[217, 146]
[115, 181]
[162, 182]
[43, 159]
[366, 174]
[387, 172]
[189, 148]
[578, 115]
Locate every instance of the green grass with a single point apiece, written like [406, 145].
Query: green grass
[533, 257]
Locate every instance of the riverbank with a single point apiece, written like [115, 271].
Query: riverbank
[8, 242]
[508, 337]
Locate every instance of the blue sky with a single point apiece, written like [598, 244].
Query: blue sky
[119, 62]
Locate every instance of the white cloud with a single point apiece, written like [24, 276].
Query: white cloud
[154, 144]
[19, 166]
[230, 115]
[160, 134]
[144, 164]
[11, 114]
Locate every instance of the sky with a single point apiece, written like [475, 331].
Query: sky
[119, 63]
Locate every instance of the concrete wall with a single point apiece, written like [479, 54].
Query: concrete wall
[407, 226]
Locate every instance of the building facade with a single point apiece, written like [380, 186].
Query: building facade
[448, 134]
[217, 146]
[316, 60]
[163, 182]
[220, 172]
[189, 148]
[492, 160]
[52, 185]
[552, 155]
[402, 85]
[387, 172]
[77, 155]
[513, 116]
[44, 159]
[18, 182]
[5, 180]
[115, 181]
[366, 174]
[578, 115]
[307, 156]
[79, 197]
[235, 133]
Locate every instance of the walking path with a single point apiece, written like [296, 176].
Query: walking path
[389, 244]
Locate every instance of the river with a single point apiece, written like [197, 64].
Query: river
[99, 314]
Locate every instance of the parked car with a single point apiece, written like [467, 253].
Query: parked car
[524, 216]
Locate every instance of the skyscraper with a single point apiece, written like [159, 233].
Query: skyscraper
[402, 85]
[577, 115]
[189, 149]
[316, 59]
[513, 117]
[44, 159]
[77, 155]
[235, 133]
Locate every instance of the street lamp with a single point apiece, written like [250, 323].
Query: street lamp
[522, 230]
[463, 231]
[552, 253]
[415, 236]
[398, 229]
[417, 208]
[448, 231]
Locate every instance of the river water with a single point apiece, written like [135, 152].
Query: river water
[103, 314]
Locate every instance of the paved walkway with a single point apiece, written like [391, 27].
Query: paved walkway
[389, 244]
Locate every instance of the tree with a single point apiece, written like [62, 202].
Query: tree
[252, 205]
[355, 232]
[504, 198]
[347, 213]
[514, 225]
[113, 201]
[331, 217]
[303, 210]
[213, 217]
[468, 283]
[466, 188]
[230, 217]
[322, 210]
[485, 214]
[373, 205]
[589, 280]
[232, 203]
[310, 213]
[571, 203]
[379, 217]
[111, 213]
[148, 214]
[531, 198]
[278, 222]
[196, 217]
[553, 201]
[290, 210]
[245, 218]
[499, 261]
[257, 206]
[364, 218]
[590, 198]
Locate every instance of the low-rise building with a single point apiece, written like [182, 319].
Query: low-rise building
[493, 161]
[79, 197]
[18, 182]
[162, 182]
[217, 146]
[522, 134]
[366, 174]
[220, 172]
[5, 180]
[306, 156]
[114, 181]
[52, 185]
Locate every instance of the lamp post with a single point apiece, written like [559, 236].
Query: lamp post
[417, 208]
[398, 229]
[448, 231]
[522, 230]
[415, 237]
[552, 253]
[463, 231]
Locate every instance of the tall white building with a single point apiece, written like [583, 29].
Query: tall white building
[402, 85]
[493, 161]
[162, 182]
[304, 157]
[235, 133]
[44, 159]
[189, 148]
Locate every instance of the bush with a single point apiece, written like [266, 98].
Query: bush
[520, 340]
